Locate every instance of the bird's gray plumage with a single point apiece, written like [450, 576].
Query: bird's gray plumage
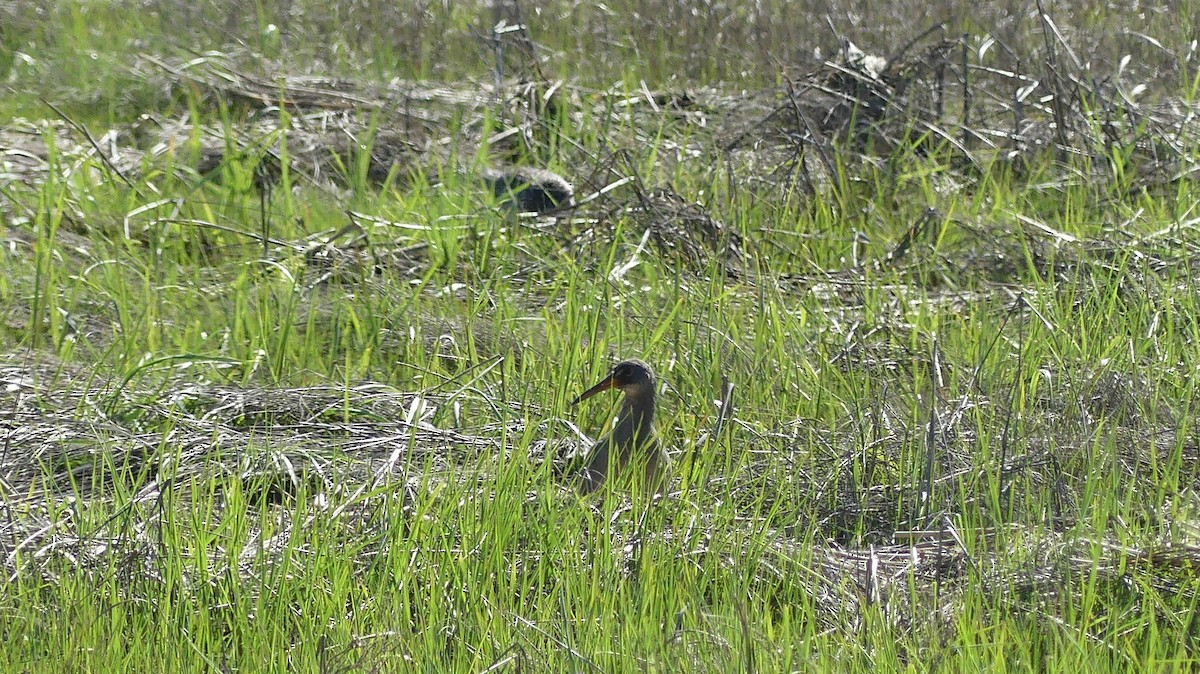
[530, 189]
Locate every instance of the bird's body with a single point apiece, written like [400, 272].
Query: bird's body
[528, 189]
[631, 455]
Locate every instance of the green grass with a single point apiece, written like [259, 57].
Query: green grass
[220, 460]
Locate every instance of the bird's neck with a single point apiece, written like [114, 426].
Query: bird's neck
[637, 415]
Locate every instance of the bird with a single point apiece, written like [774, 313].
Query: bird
[631, 450]
[528, 189]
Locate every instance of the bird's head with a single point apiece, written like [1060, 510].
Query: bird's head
[633, 377]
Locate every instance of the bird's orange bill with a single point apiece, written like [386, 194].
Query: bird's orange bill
[604, 385]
